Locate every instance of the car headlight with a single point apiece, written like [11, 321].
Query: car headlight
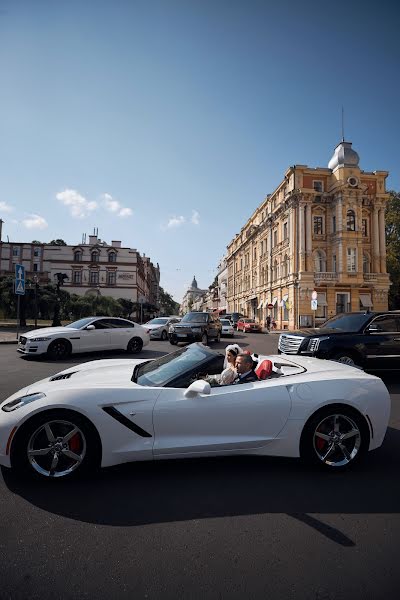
[18, 402]
[314, 343]
[39, 339]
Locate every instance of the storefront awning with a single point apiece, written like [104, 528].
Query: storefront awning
[274, 300]
[365, 300]
[260, 305]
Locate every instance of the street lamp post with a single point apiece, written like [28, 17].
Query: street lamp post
[61, 277]
[35, 283]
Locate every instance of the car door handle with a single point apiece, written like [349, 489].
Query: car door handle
[396, 339]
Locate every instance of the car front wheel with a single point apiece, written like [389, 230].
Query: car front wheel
[55, 446]
[164, 335]
[204, 339]
[346, 358]
[59, 349]
[335, 439]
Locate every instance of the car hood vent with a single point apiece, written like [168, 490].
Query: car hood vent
[62, 376]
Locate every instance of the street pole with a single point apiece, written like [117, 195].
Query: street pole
[18, 301]
[35, 280]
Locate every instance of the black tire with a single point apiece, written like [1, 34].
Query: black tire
[348, 358]
[135, 345]
[164, 335]
[322, 446]
[204, 339]
[172, 341]
[59, 349]
[85, 444]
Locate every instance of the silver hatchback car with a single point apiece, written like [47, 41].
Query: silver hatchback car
[158, 328]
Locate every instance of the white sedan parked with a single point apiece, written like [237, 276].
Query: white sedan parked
[227, 328]
[158, 328]
[86, 335]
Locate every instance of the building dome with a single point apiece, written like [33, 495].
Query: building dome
[194, 283]
[344, 156]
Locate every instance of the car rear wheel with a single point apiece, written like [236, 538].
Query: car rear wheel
[335, 439]
[55, 446]
[135, 345]
[164, 335]
[204, 339]
[59, 349]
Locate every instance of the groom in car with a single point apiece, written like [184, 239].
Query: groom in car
[245, 369]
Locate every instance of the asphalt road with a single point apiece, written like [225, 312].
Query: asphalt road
[228, 528]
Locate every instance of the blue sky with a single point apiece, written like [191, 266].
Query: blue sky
[164, 123]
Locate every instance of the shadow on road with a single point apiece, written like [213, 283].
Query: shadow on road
[168, 491]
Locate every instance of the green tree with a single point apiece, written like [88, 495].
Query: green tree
[35, 242]
[168, 306]
[393, 248]
[57, 242]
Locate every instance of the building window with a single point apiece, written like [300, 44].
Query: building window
[318, 186]
[255, 254]
[318, 226]
[319, 262]
[343, 302]
[351, 220]
[35, 267]
[365, 227]
[275, 237]
[111, 278]
[320, 313]
[334, 267]
[15, 252]
[94, 277]
[366, 263]
[77, 276]
[334, 224]
[351, 260]
[285, 231]
[77, 256]
[94, 256]
[112, 257]
[36, 252]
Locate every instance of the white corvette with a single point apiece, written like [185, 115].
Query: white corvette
[113, 411]
[86, 335]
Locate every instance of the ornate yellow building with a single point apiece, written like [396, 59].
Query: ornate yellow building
[323, 230]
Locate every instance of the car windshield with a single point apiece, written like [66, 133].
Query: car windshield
[195, 318]
[225, 322]
[157, 322]
[346, 322]
[80, 324]
[160, 371]
[247, 321]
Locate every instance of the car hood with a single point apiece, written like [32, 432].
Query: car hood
[49, 330]
[154, 326]
[105, 373]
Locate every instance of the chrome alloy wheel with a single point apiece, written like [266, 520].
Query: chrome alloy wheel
[56, 448]
[337, 440]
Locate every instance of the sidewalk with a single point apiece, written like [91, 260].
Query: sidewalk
[8, 337]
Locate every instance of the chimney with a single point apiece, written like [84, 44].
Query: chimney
[92, 239]
[1, 227]
[116, 243]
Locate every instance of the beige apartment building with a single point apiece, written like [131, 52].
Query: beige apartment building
[323, 231]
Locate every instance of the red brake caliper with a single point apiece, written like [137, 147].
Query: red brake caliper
[320, 443]
[75, 443]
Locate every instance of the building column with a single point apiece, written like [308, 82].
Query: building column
[339, 232]
[382, 240]
[292, 241]
[301, 238]
[376, 246]
[308, 234]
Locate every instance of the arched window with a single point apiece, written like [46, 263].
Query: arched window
[77, 256]
[319, 261]
[112, 257]
[366, 263]
[351, 220]
[275, 270]
[94, 256]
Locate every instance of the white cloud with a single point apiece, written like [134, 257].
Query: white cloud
[79, 206]
[116, 207]
[4, 207]
[34, 222]
[175, 222]
[195, 217]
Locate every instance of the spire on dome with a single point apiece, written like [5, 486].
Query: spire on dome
[194, 282]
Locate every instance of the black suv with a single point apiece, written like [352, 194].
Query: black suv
[233, 317]
[196, 327]
[370, 340]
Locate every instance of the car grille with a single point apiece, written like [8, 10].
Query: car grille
[22, 339]
[289, 344]
[183, 330]
[62, 376]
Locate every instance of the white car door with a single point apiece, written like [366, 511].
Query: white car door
[235, 417]
[97, 338]
[121, 332]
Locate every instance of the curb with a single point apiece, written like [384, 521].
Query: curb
[8, 342]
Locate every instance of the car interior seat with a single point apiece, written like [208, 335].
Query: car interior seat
[264, 369]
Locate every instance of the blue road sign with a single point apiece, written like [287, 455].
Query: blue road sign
[19, 280]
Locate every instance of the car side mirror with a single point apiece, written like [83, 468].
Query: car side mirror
[196, 388]
[90, 327]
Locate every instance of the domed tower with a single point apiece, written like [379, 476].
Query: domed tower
[194, 285]
[344, 156]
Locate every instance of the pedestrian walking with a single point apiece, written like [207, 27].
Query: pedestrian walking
[268, 323]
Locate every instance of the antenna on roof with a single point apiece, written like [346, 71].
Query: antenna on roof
[342, 124]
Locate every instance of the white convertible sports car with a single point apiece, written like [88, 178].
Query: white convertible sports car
[86, 335]
[113, 411]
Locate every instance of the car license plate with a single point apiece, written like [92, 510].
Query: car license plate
[182, 335]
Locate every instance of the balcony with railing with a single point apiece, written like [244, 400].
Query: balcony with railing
[326, 276]
[370, 276]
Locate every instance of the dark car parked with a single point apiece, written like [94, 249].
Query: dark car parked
[196, 327]
[370, 340]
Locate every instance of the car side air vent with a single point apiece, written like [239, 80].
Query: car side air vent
[62, 376]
